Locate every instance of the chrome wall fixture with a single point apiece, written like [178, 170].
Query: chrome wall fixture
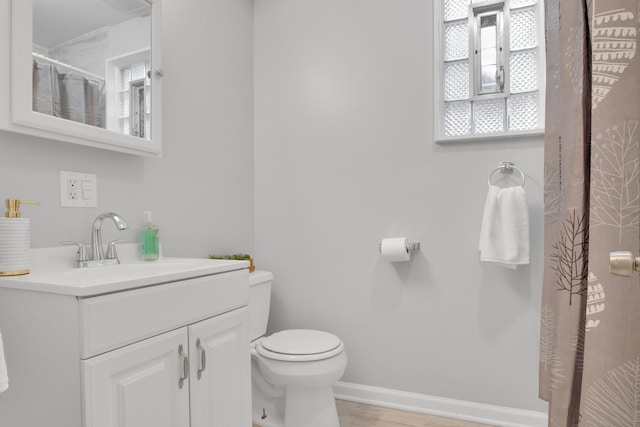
[506, 168]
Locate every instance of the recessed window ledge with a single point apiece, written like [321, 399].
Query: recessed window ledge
[489, 136]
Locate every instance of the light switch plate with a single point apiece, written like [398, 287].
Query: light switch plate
[78, 190]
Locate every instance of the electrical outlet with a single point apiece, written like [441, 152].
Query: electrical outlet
[72, 188]
[78, 190]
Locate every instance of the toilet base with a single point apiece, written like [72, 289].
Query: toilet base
[295, 393]
[311, 407]
[273, 419]
[306, 407]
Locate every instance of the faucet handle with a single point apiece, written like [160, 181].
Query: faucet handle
[112, 253]
[82, 259]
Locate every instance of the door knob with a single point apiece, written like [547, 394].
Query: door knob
[623, 263]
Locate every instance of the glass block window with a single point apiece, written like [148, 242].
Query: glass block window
[488, 115]
[455, 9]
[134, 112]
[457, 35]
[456, 81]
[490, 60]
[457, 118]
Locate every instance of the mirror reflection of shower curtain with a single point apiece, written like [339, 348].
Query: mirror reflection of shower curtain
[68, 95]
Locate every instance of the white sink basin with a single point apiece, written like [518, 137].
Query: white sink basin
[61, 278]
[120, 272]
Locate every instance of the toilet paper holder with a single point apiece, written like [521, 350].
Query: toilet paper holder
[411, 246]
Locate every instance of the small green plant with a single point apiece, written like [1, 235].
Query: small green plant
[236, 257]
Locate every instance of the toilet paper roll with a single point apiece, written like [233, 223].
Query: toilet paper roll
[395, 249]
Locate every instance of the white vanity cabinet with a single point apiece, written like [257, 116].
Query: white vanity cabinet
[174, 354]
[137, 385]
[155, 382]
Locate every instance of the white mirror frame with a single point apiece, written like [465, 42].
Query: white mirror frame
[60, 129]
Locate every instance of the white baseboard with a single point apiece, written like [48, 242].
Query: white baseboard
[439, 406]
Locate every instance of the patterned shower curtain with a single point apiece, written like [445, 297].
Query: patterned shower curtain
[590, 322]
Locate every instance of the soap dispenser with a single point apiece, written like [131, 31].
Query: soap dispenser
[149, 239]
[15, 239]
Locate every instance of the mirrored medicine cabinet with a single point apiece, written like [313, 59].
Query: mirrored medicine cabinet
[88, 72]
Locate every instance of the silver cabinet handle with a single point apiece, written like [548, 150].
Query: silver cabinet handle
[623, 263]
[185, 366]
[203, 358]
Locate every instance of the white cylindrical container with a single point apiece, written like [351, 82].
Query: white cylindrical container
[15, 242]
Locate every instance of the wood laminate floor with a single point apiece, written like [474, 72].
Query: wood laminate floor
[354, 414]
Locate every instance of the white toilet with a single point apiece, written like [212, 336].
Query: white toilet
[292, 371]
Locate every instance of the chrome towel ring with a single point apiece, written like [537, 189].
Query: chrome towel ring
[506, 168]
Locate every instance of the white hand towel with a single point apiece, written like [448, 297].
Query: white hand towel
[504, 236]
[4, 378]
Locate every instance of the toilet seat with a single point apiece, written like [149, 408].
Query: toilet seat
[300, 345]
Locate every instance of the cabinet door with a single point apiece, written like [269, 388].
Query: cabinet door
[138, 385]
[221, 371]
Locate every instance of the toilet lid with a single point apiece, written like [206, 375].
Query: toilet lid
[302, 344]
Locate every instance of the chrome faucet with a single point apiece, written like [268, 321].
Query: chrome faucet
[96, 233]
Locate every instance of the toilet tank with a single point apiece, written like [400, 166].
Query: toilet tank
[259, 302]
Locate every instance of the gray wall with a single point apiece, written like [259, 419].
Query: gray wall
[344, 156]
[201, 190]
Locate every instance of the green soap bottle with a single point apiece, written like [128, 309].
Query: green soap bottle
[149, 240]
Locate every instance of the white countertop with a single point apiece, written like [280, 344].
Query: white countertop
[53, 271]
